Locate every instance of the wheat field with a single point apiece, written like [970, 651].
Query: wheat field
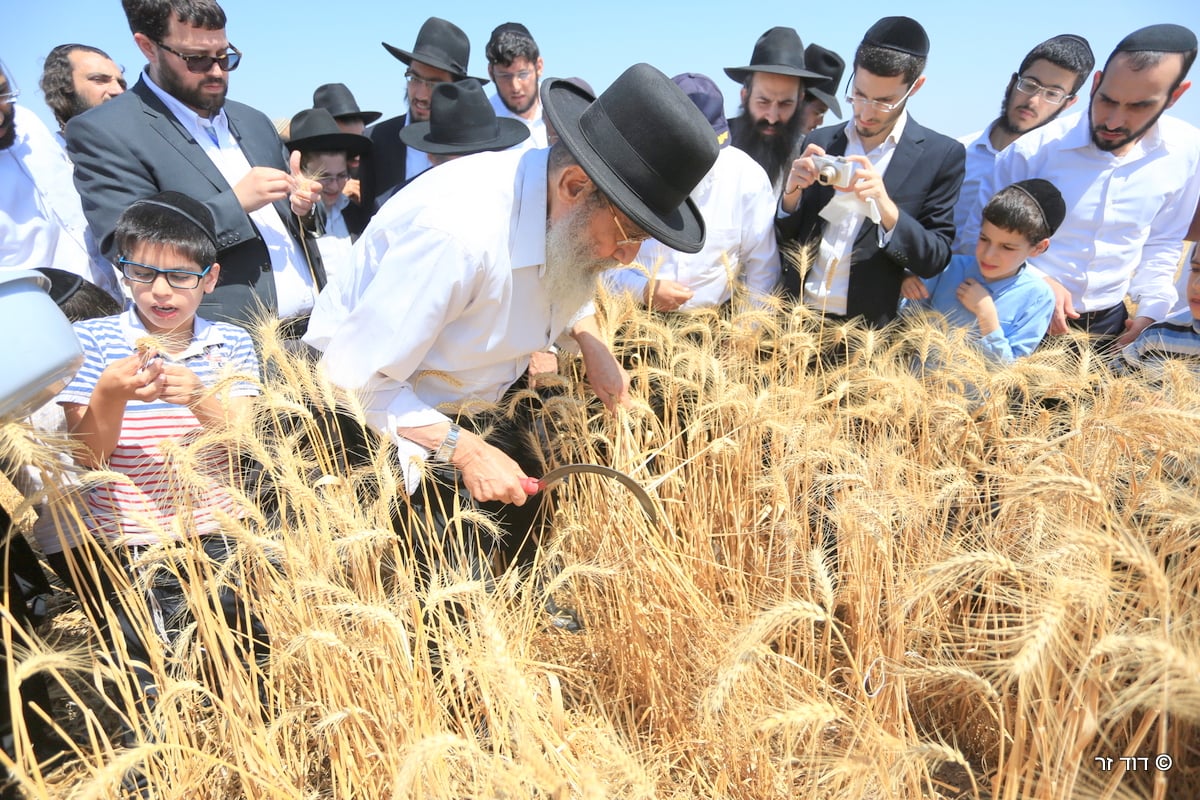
[865, 581]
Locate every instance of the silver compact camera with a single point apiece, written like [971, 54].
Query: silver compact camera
[834, 171]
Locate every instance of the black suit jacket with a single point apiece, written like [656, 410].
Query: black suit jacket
[382, 169]
[923, 179]
[133, 147]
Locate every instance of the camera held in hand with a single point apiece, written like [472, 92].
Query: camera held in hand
[835, 171]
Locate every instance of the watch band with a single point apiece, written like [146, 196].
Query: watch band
[445, 450]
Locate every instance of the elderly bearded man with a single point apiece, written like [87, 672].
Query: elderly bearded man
[443, 309]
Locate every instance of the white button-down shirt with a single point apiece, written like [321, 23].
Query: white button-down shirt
[738, 205]
[442, 308]
[981, 162]
[41, 218]
[1126, 215]
[827, 283]
[295, 286]
[537, 125]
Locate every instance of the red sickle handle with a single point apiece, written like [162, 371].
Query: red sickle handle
[531, 485]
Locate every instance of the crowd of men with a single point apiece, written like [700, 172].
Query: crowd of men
[424, 311]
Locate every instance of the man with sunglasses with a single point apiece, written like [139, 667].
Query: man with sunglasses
[897, 211]
[1042, 88]
[1131, 176]
[440, 54]
[41, 219]
[176, 131]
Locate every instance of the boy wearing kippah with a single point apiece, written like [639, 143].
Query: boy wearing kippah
[991, 292]
[159, 374]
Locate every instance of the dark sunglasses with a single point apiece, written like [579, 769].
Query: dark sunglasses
[201, 64]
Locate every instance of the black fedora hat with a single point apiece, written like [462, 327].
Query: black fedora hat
[440, 44]
[462, 121]
[316, 129]
[779, 51]
[337, 99]
[644, 144]
[831, 65]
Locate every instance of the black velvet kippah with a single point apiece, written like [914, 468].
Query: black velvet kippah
[192, 210]
[1165, 38]
[1048, 198]
[899, 33]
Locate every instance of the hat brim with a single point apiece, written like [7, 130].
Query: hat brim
[352, 143]
[416, 136]
[827, 99]
[437, 63]
[681, 229]
[740, 74]
[366, 116]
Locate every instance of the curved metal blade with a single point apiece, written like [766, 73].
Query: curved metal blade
[556, 475]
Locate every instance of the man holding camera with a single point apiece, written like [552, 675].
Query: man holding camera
[874, 197]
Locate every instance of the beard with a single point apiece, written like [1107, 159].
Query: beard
[771, 151]
[193, 97]
[9, 137]
[572, 271]
[523, 108]
[1127, 137]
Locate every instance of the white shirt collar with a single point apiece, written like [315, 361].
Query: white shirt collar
[530, 211]
[204, 334]
[188, 117]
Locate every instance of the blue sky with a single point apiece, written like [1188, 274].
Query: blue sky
[290, 48]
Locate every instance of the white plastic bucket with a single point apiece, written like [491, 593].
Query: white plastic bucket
[39, 353]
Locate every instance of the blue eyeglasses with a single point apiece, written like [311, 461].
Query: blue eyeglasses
[176, 278]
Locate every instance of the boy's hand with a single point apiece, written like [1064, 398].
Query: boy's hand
[913, 288]
[971, 293]
[180, 386]
[128, 379]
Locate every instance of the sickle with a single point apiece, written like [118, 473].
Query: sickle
[554, 477]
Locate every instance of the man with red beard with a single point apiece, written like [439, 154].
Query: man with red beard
[175, 131]
[1131, 177]
[1043, 88]
[772, 84]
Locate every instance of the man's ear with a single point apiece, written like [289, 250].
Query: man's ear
[144, 44]
[573, 183]
[1178, 93]
[917, 84]
[1070, 101]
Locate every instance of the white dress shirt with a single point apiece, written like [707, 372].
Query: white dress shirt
[537, 125]
[1126, 215]
[415, 161]
[981, 162]
[827, 283]
[335, 243]
[738, 205]
[441, 309]
[41, 217]
[295, 285]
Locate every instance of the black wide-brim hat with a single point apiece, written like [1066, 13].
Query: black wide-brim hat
[831, 66]
[338, 100]
[778, 51]
[440, 44]
[315, 129]
[644, 144]
[462, 121]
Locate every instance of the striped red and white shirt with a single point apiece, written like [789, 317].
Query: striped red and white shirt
[157, 503]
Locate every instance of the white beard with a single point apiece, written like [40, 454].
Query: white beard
[571, 270]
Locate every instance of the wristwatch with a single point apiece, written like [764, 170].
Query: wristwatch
[445, 450]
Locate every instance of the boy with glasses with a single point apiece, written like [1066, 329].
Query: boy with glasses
[896, 214]
[1045, 85]
[154, 376]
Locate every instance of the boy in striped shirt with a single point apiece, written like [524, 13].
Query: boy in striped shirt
[157, 374]
[1179, 338]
